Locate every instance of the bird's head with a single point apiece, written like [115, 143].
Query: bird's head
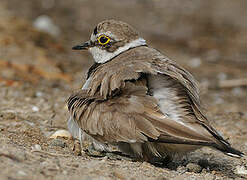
[109, 39]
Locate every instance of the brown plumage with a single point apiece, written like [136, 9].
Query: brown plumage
[144, 103]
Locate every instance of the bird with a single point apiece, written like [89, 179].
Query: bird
[137, 99]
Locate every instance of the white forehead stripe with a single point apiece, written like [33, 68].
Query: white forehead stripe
[107, 33]
[102, 56]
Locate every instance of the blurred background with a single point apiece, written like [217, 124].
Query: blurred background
[209, 37]
[38, 69]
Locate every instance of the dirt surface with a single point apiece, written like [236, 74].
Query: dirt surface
[38, 71]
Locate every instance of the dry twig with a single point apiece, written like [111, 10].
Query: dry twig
[10, 157]
[232, 83]
[51, 154]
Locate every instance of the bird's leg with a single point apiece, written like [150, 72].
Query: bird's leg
[77, 149]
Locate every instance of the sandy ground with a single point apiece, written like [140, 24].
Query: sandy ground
[38, 72]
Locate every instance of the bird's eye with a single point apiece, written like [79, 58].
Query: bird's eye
[103, 40]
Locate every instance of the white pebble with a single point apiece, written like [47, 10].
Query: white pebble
[241, 170]
[195, 62]
[21, 173]
[65, 172]
[44, 164]
[35, 108]
[61, 133]
[39, 94]
[44, 23]
[36, 147]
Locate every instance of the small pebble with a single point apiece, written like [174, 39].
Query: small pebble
[44, 23]
[181, 169]
[192, 167]
[205, 171]
[61, 133]
[241, 170]
[35, 108]
[213, 172]
[195, 62]
[58, 142]
[65, 172]
[44, 164]
[21, 173]
[36, 147]
[38, 94]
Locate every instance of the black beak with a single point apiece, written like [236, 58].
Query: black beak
[83, 46]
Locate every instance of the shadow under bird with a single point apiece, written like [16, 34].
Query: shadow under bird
[139, 100]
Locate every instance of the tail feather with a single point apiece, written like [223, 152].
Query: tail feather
[228, 150]
[222, 145]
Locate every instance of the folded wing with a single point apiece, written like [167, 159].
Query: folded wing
[117, 107]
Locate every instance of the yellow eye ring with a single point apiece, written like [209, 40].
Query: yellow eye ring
[103, 40]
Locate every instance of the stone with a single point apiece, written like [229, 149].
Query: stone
[192, 167]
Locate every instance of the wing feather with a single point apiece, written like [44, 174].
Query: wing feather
[116, 107]
[133, 116]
